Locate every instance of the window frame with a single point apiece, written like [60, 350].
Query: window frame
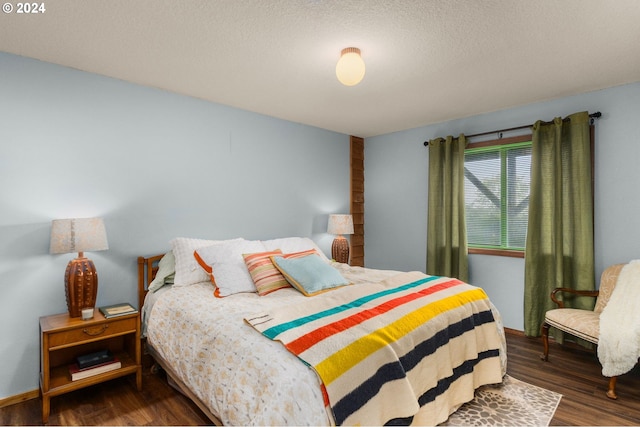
[492, 143]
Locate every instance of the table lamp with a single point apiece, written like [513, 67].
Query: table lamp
[80, 278]
[339, 225]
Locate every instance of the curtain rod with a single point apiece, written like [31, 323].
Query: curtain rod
[593, 116]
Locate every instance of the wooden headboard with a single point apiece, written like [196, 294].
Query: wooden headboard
[147, 269]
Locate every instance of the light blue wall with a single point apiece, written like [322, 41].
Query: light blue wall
[396, 168]
[155, 165]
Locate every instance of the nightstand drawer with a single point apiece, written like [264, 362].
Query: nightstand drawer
[92, 332]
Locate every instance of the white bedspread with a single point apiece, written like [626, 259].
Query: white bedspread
[244, 378]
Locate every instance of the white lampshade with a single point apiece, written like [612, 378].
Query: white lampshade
[350, 68]
[340, 224]
[78, 235]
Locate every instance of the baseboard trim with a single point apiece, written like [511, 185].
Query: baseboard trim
[12, 400]
[514, 332]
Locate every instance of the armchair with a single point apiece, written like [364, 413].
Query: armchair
[583, 324]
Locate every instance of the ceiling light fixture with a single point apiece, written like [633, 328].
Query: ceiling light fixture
[350, 67]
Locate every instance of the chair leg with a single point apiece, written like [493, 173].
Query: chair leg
[611, 393]
[545, 341]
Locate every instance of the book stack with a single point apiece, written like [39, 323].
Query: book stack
[117, 310]
[93, 364]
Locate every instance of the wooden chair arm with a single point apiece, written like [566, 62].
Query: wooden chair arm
[571, 291]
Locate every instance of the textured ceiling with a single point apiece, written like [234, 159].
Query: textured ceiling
[428, 61]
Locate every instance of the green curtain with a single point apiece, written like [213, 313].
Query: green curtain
[559, 247]
[446, 227]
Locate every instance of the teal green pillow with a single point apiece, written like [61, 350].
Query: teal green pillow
[309, 274]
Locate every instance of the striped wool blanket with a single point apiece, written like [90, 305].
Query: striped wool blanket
[409, 349]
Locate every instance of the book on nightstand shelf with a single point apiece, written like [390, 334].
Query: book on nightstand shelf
[116, 310]
[90, 360]
[78, 374]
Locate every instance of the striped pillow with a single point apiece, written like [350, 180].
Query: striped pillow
[265, 275]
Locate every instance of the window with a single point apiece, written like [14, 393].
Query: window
[497, 177]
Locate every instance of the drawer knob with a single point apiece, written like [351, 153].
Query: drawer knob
[95, 331]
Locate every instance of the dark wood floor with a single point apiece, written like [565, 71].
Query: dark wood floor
[574, 373]
[115, 403]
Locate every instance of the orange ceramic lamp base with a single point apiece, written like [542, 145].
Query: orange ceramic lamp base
[340, 249]
[81, 285]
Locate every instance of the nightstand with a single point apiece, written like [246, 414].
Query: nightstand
[63, 338]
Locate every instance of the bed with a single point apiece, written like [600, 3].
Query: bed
[216, 348]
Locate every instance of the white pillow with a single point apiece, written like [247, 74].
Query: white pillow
[166, 267]
[228, 270]
[188, 271]
[293, 244]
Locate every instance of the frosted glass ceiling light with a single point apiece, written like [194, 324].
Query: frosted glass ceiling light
[350, 67]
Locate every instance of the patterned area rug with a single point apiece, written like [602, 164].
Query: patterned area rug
[512, 403]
